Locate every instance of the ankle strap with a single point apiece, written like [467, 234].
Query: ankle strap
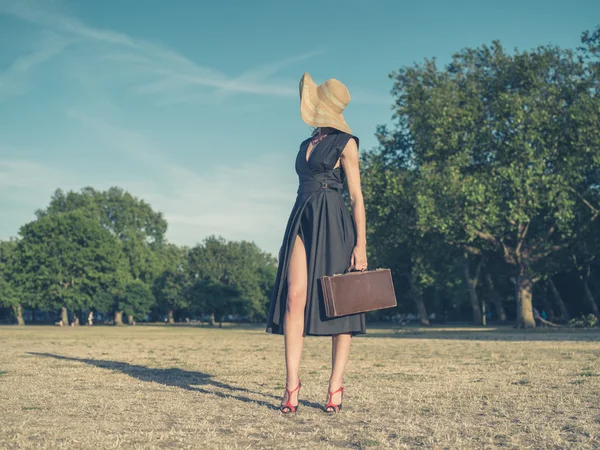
[295, 389]
[335, 392]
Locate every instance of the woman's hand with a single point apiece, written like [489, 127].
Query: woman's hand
[358, 261]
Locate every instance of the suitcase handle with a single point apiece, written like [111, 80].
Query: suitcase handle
[351, 269]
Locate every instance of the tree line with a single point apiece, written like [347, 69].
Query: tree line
[107, 252]
[483, 198]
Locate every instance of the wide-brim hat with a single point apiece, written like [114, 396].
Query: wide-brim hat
[322, 106]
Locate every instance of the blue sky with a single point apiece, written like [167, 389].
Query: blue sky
[193, 105]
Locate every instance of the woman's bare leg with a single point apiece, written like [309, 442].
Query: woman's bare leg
[293, 319]
[340, 350]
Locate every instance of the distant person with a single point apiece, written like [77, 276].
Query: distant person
[322, 238]
[90, 319]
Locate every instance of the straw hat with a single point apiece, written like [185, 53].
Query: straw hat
[322, 106]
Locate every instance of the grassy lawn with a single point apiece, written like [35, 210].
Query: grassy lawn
[185, 387]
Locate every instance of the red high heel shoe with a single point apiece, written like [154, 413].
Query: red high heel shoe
[287, 407]
[330, 404]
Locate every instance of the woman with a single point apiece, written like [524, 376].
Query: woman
[321, 238]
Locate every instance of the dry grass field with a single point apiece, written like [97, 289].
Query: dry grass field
[186, 387]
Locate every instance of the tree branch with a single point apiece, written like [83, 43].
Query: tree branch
[588, 204]
[521, 236]
[507, 256]
[472, 250]
[486, 236]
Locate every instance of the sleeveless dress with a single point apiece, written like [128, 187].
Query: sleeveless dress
[324, 223]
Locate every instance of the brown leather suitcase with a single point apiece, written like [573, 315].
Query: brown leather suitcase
[356, 292]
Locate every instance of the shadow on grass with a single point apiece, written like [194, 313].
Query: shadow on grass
[183, 379]
[491, 333]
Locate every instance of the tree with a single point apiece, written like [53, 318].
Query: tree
[63, 260]
[230, 277]
[132, 221]
[499, 143]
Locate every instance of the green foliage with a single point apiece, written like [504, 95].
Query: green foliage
[497, 152]
[493, 144]
[106, 251]
[132, 221]
[171, 286]
[136, 299]
[117, 210]
[584, 321]
[103, 301]
[9, 296]
[64, 260]
[230, 276]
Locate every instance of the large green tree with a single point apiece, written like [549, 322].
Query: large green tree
[63, 260]
[139, 229]
[500, 142]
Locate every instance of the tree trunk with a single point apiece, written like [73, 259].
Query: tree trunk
[496, 298]
[483, 316]
[419, 303]
[18, 311]
[171, 318]
[589, 297]
[559, 301]
[525, 317]
[118, 317]
[130, 320]
[472, 288]
[547, 305]
[64, 316]
[423, 317]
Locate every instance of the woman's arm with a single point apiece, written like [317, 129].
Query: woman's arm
[349, 161]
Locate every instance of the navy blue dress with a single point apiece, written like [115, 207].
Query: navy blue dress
[324, 222]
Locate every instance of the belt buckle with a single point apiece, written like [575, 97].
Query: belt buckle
[325, 185]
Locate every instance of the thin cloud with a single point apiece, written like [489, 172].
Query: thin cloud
[173, 72]
[14, 80]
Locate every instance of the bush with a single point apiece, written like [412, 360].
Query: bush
[588, 321]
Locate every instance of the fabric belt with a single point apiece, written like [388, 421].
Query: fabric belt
[313, 186]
